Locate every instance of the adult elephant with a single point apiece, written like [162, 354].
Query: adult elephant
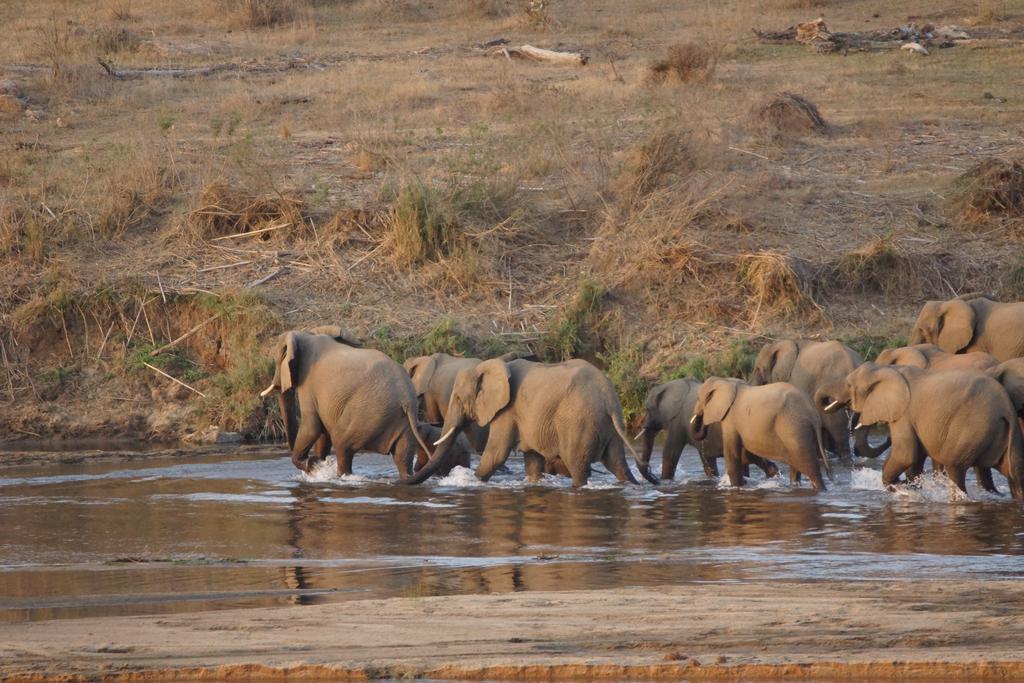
[810, 365]
[776, 420]
[931, 357]
[972, 424]
[433, 377]
[566, 412]
[961, 326]
[669, 407]
[1010, 374]
[333, 393]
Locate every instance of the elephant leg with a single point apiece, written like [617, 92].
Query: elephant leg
[580, 473]
[534, 464]
[670, 453]
[310, 429]
[557, 467]
[732, 450]
[958, 475]
[614, 458]
[403, 453]
[984, 476]
[794, 476]
[499, 444]
[709, 464]
[323, 447]
[769, 468]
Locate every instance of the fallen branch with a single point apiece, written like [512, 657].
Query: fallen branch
[538, 54]
[251, 232]
[223, 266]
[185, 336]
[266, 278]
[173, 379]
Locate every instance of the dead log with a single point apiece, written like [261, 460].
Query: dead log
[538, 54]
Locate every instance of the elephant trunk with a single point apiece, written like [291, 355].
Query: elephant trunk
[289, 415]
[649, 432]
[862, 447]
[641, 464]
[450, 431]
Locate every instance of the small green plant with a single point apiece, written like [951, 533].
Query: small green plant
[869, 346]
[575, 331]
[623, 368]
[737, 360]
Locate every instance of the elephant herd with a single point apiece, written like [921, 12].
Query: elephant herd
[955, 395]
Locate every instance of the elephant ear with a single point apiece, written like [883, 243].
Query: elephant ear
[718, 399]
[956, 325]
[421, 369]
[288, 361]
[493, 390]
[338, 333]
[783, 360]
[886, 397]
[907, 356]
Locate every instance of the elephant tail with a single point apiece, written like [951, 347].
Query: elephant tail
[645, 469]
[411, 417]
[824, 456]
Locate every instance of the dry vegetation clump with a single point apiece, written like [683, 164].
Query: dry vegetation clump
[777, 284]
[25, 230]
[790, 114]
[116, 39]
[261, 13]
[653, 164]
[222, 209]
[421, 226]
[885, 267]
[991, 189]
[684, 62]
[135, 191]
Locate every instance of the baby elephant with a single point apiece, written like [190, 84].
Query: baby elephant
[669, 407]
[460, 450]
[775, 420]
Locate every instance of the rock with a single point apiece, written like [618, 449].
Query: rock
[9, 88]
[951, 33]
[213, 435]
[914, 47]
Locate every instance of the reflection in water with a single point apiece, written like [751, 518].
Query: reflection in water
[190, 534]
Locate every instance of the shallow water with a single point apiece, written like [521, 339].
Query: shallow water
[210, 532]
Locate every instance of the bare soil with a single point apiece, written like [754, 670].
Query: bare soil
[812, 631]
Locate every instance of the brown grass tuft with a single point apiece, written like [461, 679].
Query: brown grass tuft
[262, 13]
[790, 114]
[112, 40]
[684, 62]
[777, 283]
[993, 188]
[221, 209]
[885, 267]
[650, 165]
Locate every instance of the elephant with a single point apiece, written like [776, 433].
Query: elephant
[931, 357]
[459, 457]
[567, 412]
[333, 393]
[433, 377]
[980, 324]
[973, 425]
[1010, 374]
[809, 365]
[669, 407]
[776, 420]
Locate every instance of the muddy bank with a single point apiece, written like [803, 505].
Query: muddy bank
[21, 453]
[749, 631]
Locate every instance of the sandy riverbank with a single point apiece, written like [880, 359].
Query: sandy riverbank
[750, 631]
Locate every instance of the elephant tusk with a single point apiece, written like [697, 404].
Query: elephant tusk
[445, 437]
[832, 405]
[266, 392]
[858, 425]
[640, 433]
[693, 421]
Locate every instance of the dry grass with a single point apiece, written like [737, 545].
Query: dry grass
[777, 284]
[661, 159]
[789, 114]
[991, 189]
[254, 14]
[684, 63]
[221, 209]
[886, 267]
